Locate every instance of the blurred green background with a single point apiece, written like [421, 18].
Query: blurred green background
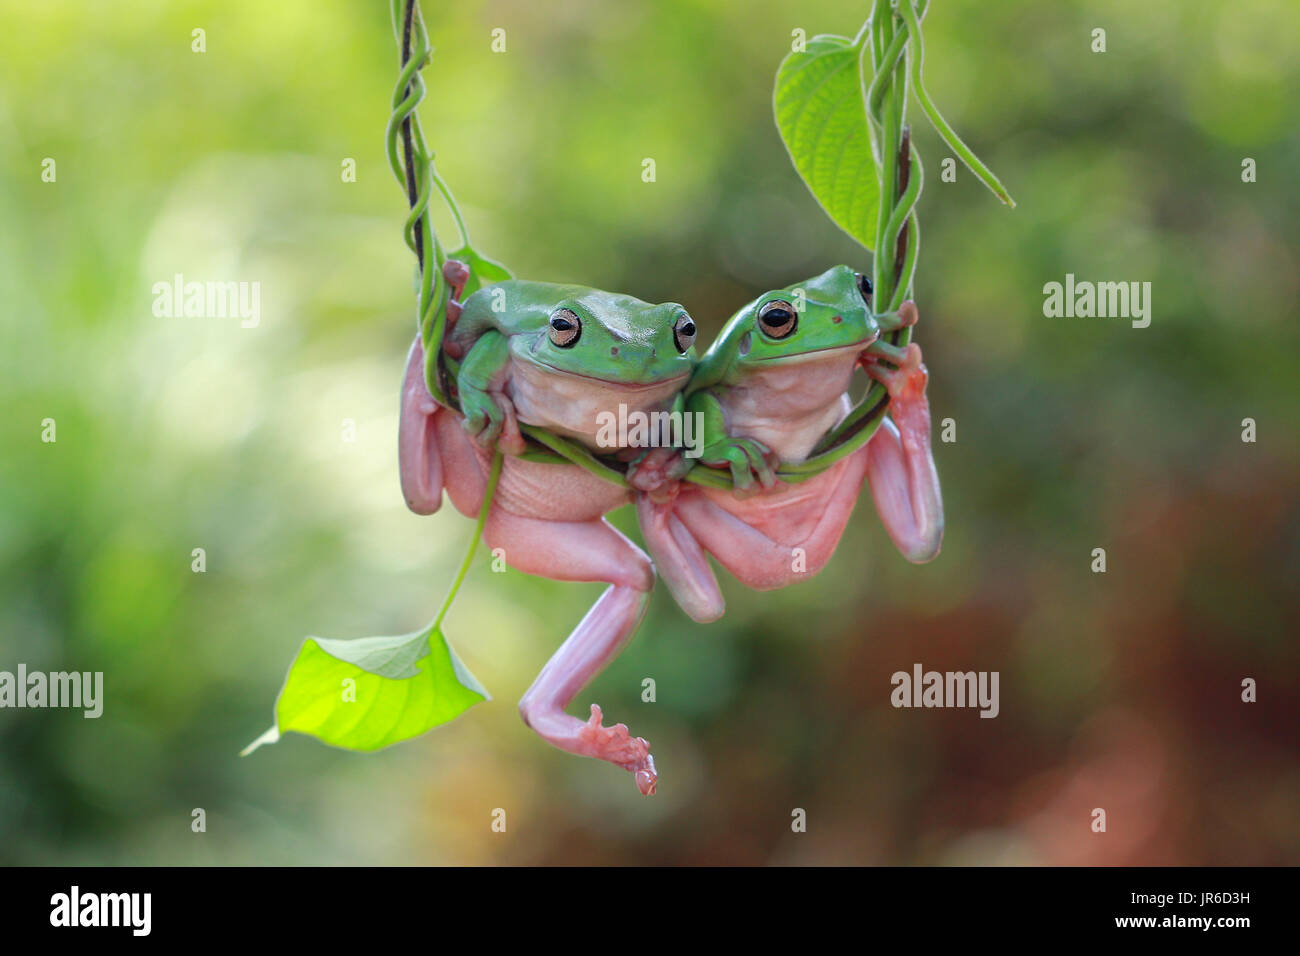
[1118, 690]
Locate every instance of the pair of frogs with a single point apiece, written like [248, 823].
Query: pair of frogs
[769, 389]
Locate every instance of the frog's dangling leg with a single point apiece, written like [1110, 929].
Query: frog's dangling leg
[582, 551]
[900, 464]
[679, 559]
[417, 443]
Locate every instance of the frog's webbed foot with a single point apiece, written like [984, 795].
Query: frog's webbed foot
[619, 747]
[908, 406]
[906, 383]
[594, 643]
[750, 462]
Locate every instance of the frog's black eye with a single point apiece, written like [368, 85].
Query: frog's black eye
[684, 333]
[565, 328]
[777, 319]
[864, 287]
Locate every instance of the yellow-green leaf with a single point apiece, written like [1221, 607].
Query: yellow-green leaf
[369, 693]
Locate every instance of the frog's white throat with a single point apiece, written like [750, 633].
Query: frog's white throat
[790, 405]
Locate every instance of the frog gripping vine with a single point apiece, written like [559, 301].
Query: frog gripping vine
[508, 381]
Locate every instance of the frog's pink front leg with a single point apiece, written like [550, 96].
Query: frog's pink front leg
[900, 465]
[582, 551]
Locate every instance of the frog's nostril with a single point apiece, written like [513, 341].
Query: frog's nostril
[613, 350]
[837, 320]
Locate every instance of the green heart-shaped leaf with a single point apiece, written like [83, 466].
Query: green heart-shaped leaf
[399, 688]
[819, 111]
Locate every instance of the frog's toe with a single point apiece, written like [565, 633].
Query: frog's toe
[455, 272]
[680, 467]
[907, 314]
[760, 462]
[647, 781]
[765, 471]
[511, 440]
[484, 432]
[742, 478]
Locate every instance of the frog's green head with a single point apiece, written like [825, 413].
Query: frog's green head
[611, 337]
[829, 311]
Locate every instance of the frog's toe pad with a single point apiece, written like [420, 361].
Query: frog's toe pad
[619, 747]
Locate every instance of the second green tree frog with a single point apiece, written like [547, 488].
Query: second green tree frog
[554, 356]
[771, 387]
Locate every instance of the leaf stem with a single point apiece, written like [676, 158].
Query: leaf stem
[452, 206]
[493, 476]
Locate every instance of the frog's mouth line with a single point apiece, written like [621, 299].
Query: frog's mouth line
[621, 386]
[792, 359]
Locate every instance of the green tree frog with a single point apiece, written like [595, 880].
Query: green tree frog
[772, 385]
[554, 356]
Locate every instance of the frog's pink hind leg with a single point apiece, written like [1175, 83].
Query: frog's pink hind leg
[582, 551]
[679, 560]
[900, 465]
[417, 444]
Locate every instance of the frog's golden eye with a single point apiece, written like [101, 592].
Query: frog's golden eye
[777, 319]
[684, 333]
[565, 328]
[864, 287]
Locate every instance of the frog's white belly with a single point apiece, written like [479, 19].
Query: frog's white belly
[789, 404]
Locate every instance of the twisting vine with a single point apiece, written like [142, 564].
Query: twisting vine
[891, 36]
[416, 172]
[412, 164]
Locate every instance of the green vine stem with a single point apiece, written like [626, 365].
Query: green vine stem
[412, 164]
[488, 494]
